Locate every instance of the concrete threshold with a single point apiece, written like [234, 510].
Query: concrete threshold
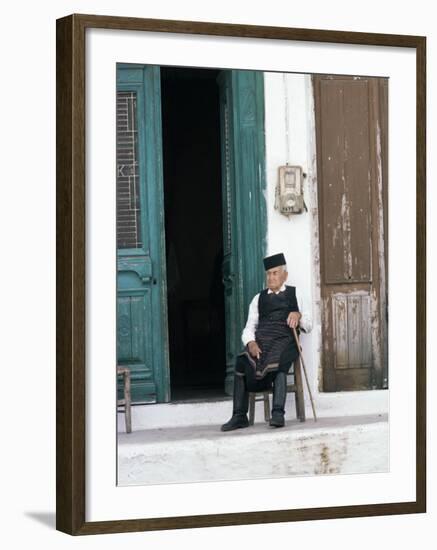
[183, 454]
[216, 411]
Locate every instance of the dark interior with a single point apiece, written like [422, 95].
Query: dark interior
[193, 230]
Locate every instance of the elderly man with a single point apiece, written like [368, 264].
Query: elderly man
[270, 347]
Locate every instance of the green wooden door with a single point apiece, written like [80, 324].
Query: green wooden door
[141, 281]
[244, 208]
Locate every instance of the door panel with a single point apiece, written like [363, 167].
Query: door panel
[346, 192]
[244, 209]
[141, 283]
[351, 188]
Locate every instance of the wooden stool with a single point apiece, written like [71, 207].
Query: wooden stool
[296, 388]
[253, 399]
[125, 372]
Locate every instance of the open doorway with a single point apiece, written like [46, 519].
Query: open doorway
[193, 232]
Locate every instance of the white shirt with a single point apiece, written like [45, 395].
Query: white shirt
[248, 333]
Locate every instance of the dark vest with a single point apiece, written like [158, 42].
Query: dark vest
[273, 334]
[277, 306]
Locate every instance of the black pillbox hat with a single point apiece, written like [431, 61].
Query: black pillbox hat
[274, 261]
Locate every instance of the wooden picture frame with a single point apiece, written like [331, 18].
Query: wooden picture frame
[70, 275]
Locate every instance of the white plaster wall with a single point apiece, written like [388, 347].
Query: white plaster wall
[289, 139]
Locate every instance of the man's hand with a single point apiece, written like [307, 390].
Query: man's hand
[254, 349]
[293, 319]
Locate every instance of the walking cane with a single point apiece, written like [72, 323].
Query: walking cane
[304, 371]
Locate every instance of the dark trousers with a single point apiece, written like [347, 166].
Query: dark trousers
[244, 368]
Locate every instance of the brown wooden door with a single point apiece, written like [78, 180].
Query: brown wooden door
[351, 123]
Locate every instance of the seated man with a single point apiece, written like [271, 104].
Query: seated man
[270, 346]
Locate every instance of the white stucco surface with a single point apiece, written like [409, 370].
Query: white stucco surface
[348, 445]
[290, 139]
[339, 404]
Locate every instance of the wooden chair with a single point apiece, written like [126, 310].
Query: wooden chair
[258, 396]
[296, 387]
[126, 401]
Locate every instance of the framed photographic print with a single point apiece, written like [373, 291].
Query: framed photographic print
[240, 274]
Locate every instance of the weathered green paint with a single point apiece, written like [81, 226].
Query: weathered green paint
[142, 340]
[244, 205]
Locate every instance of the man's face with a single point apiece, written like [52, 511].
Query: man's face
[276, 277]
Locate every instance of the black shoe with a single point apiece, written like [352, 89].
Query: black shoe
[277, 420]
[237, 421]
[240, 406]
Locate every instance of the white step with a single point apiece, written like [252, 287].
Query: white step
[218, 411]
[204, 453]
